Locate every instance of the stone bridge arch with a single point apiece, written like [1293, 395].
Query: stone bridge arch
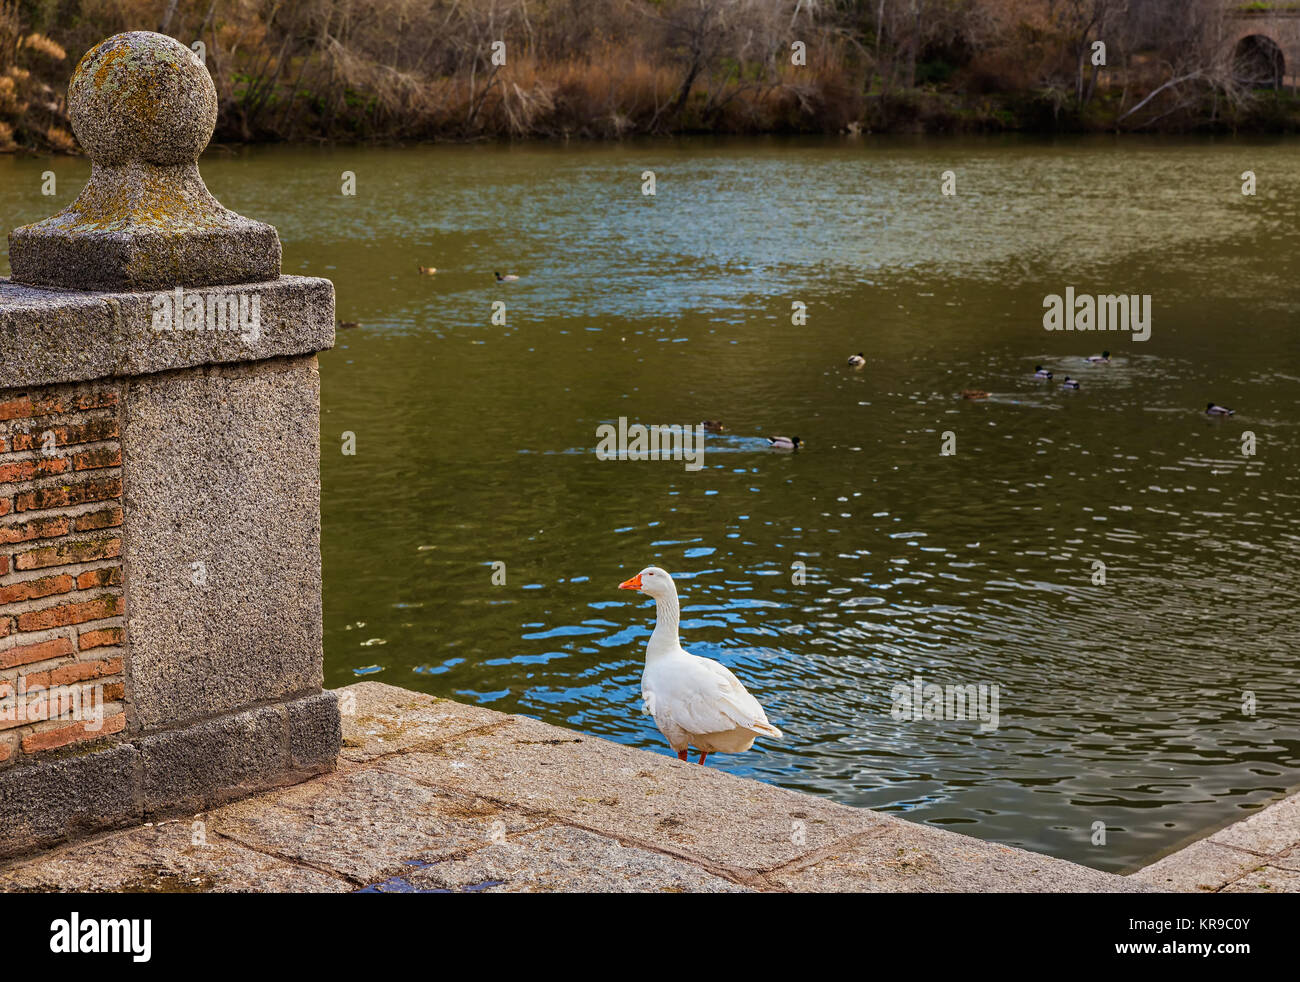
[1250, 27]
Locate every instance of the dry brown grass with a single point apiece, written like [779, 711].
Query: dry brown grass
[363, 70]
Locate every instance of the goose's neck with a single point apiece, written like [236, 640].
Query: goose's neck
[665, 638]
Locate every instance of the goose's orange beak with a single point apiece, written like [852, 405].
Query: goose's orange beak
[632, 584]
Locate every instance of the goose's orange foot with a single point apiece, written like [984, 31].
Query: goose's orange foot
[681, 755]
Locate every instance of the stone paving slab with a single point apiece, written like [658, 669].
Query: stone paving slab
[1267, 879]
[164, 859]
[906, 857]
[364, 824]
[382, 719]
[561, 858]
[706, 815]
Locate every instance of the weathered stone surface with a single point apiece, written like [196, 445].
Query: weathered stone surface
[213, 761]
[52, 336]
[366, 824]
[906, 857]
[164, 858]
[688, 810]
[383, 719]
[315, 731]
[560, 858]
[223, 470]
[1267, 879]
[1202, 867]
[143, 107]
[44, 803]
[1290, 859]
[142, 96]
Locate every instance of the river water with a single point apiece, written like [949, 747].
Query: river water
[1160, 703]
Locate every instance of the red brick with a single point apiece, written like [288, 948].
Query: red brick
[4, 565]
[5, 505]
[76, 733]
[40, 528]
[89, 460]
[6, 625]
[5, 751]
[109, 517]
[28, 654]
[69, 494]
[101, 638]
[26, 470]
[91, 431]
[46, 586]
[81, 551]
[16, 408]
[65, 614]
[108, 576]
[77, 671]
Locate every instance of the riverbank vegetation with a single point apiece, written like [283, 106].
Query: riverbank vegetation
[409, 70]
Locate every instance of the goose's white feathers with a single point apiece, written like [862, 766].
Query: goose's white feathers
[696, 702]
[700, 696]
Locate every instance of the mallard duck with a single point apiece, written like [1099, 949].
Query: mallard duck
[974, 394]
[713, 426]
[784, 442]
[428, 270]
[858, 360]
[1041, 372]
[696, 702]
[1213, 409]
[1101, 358]
[508, 278]
[344, 325]
[1070, 383]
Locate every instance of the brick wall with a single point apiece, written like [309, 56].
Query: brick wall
[61, 604]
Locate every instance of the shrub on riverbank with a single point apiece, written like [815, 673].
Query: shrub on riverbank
[393, 70]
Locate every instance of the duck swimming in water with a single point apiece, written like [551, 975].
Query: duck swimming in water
[1041, 372]
[1213, 409]
[1070, 383]
[858, 360]
[428, 270]
[974, 394]
[508, 278]
[784, 442]
[1103, 358]
[713, 426]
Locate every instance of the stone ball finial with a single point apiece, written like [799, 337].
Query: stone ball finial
[143, 107]
[142, 96]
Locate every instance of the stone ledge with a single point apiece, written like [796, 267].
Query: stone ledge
[433, 795]
[175, 771]
[50, 336]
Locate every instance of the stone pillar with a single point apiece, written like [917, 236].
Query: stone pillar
[160, 585]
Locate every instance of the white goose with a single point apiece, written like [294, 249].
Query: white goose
[695, 702]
